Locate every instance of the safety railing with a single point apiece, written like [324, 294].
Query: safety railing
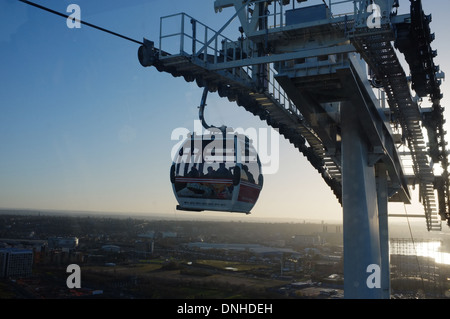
[182, 35]
[275, 14]
[277, 92]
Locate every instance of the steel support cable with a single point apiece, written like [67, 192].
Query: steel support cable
[201, 114]
[80, 21]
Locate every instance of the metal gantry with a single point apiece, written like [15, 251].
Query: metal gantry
[313, 71]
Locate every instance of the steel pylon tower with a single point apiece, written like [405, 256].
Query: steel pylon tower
[312, 69]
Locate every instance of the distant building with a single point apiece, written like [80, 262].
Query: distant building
[111, 248]
[254, 248]
[149, 234]
[144, 248]
[307, 240]
[169, 234]
[158, 234]
[62, 243]
[301, 285]
[15, 262]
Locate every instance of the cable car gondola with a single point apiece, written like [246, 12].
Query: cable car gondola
[219, 171]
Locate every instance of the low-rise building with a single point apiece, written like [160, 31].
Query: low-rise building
[62, 242]
[15, 262]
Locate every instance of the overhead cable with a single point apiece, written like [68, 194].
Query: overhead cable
[80, 21]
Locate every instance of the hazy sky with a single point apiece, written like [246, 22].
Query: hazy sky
[84, 126]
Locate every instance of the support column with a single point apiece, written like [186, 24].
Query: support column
[360, 211]
[382, 192]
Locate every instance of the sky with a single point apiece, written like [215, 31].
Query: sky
[85, 127]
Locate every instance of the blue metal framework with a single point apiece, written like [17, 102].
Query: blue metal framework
[312, 71]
